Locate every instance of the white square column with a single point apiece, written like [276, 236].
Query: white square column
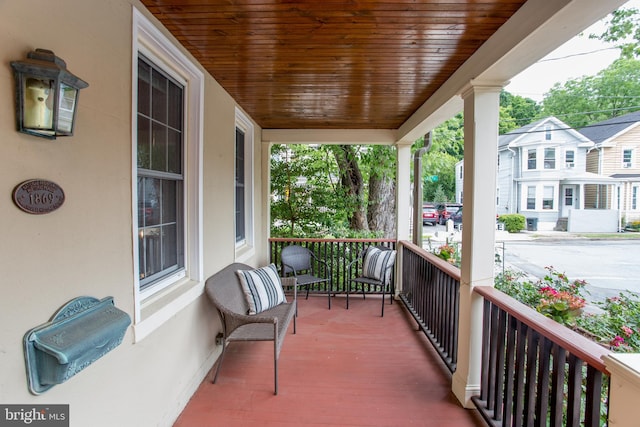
[481, 115]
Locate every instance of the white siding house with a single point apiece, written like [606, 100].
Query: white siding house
[542, 173]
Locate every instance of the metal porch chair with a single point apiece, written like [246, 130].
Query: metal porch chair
[306, 267]
[373, 267]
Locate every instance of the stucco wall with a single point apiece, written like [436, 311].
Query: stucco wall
[85, 247]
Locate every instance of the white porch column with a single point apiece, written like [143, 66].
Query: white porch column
[403, 191]
[403, 201]
[481, 114]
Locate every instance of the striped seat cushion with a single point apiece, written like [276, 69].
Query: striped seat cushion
[262, 288]
[378, 264]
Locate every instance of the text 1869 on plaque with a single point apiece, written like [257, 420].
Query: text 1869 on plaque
[38, 196]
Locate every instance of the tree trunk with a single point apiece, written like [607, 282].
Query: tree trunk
[352, 182]
[382, 205]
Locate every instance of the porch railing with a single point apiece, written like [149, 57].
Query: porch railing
[535, 371]
[337, 253]
[431, 292]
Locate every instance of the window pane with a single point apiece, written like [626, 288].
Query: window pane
[159, 148]
[240, 184]
[175, 106]
[549, 158]
[531, 162]
[174, 151]
[144, 96]
[169, 201]
[159, 97]
[150, 198]
[169, 240]
[144, 142]
[531, 197]
[547, 198]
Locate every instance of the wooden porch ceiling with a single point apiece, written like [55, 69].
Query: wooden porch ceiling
[332, 64]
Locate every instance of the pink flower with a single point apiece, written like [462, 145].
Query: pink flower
[617, 341]
[627, 331]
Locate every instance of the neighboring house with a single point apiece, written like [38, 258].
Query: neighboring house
[542, 175]
[616, 154]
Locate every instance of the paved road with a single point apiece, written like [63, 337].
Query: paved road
[608, 266]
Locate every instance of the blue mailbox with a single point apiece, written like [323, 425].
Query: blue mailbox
[78, 334]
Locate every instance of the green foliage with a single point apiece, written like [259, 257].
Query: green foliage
[555, 296]
[513, 223]
[612, 92]
[634, 225]
[516, 111]
[439, 196]
[619, 325]
[305, 197]
[624, 27]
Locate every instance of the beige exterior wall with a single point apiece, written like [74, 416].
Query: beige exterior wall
[86, 246]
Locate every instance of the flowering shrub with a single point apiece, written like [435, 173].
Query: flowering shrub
[445, 252]
[618, 327]
[561, 306]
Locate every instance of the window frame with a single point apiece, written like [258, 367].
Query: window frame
[570, 162]
[627, 163]
[546, 199]
[245, 248]
[529, 197]
[166, 278]
[159, 303]
[532, 158]
[549, 160]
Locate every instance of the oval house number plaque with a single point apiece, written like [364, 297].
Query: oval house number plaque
[38, 196]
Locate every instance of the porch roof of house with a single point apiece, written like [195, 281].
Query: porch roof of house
[396, 67]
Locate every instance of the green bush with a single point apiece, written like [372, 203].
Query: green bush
[513, 223]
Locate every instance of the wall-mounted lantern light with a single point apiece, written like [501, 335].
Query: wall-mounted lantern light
[46, 95]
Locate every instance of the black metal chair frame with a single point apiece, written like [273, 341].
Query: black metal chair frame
[302, 262]
[358, 262]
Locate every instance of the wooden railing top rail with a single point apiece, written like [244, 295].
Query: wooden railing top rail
[443, 265]
[582, 347]
[320, 240]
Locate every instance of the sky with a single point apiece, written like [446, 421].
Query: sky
[578, 57]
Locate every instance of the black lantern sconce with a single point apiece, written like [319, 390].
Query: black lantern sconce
[46, 95]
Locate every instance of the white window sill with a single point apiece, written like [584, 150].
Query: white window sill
[156, 310]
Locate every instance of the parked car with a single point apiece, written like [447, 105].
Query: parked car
[456, 217]
[445, 210]
[429, 215]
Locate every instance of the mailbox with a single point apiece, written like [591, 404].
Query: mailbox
[78, 334]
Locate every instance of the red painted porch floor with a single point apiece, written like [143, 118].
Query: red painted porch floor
[342, 368]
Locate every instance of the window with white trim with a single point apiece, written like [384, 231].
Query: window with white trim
[160, 174]
[569, 158]
[627, 158]
[549, 158]
[547, 197]
[531, 159]
[243, 201]
[167, 175]
[531, 197]
[547, 132]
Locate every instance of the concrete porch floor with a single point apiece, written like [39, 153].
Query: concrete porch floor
[342, 368]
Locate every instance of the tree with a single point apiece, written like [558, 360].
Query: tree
[516, 111]
[305, 197]
[614, 91]
[623, 26]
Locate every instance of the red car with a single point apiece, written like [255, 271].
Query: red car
[429, 215]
